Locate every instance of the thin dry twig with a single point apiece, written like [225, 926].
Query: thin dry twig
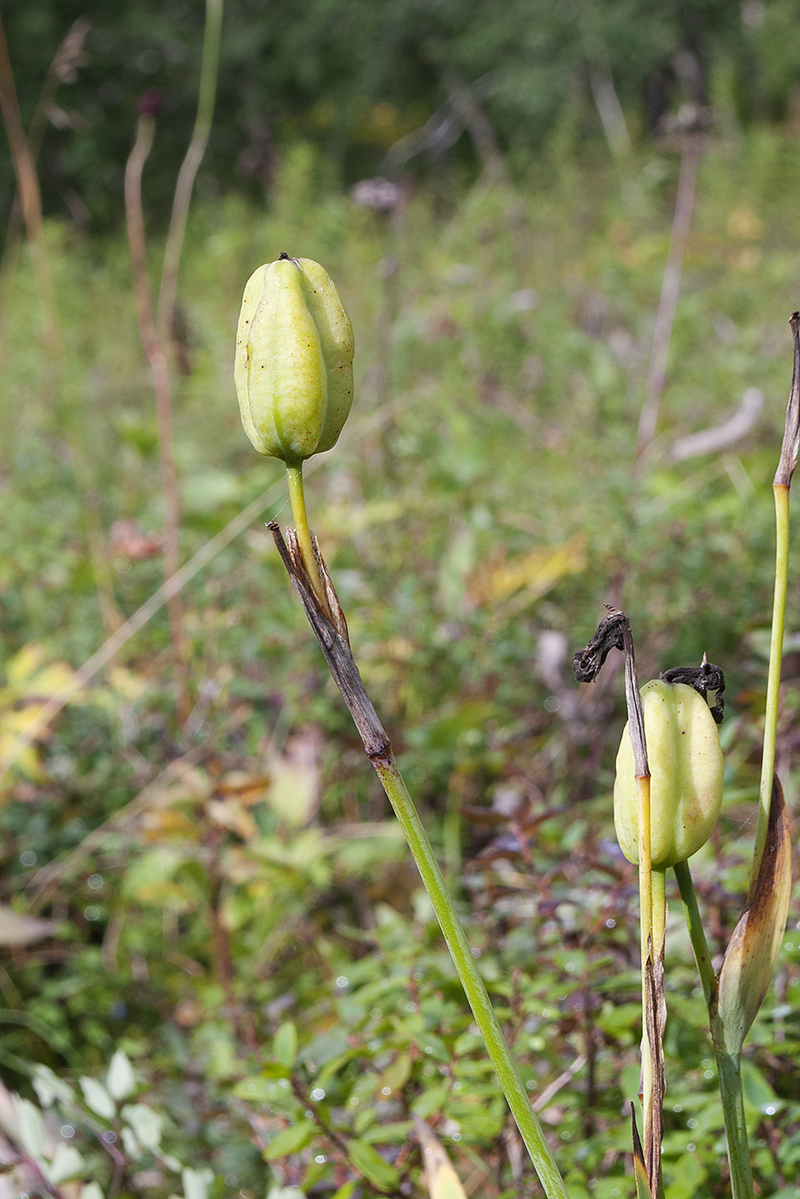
[30, 198]
[68, 57]
[720, 437]
[163, 394]
[188, 171]
[566, 1076]
[670, 291]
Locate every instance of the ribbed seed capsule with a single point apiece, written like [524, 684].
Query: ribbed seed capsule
[294, 360]
[686, 771]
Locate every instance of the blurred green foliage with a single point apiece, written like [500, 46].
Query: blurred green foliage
[354, 77]
[235, 909]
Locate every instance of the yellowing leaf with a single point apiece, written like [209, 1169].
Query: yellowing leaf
[294, 793]
[233, 815]
[441, 1178]
[534, 573]
[24, 664]
[163, 822]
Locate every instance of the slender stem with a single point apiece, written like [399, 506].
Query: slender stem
[188, 171]
[163, 395]
[645, 867]
[659, 911]
[474, 988]
[297, 497]
[730, 1088]
[781, 493]
[670, 291]
[728, 1065]
[697, 933]
[646, 934]
[31, 201]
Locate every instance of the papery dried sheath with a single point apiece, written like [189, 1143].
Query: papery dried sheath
[294, 360]
[686, 772]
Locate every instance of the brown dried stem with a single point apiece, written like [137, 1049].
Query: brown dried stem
[670, 291]
[188, 171]
[163, 394]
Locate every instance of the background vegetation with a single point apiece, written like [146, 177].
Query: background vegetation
[230, 905]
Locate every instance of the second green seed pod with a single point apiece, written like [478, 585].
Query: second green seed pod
[686, 771]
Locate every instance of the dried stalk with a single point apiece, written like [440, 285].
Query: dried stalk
[188, 171]
[670, 291]
[163, 393]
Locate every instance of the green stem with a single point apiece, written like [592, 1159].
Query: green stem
[474, 988]
[728, 1065]
[730, 1087]
[781, 493]
[659, 893]
[697, 933]
[297, 497]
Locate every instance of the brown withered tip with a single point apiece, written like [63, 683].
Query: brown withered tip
[284, 257]
[150, 103]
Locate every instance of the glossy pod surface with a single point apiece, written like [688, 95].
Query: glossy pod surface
[686, 772]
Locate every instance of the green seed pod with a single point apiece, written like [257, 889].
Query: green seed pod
[294, 360]
[686, 770]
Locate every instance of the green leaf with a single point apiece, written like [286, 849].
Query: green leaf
[120, 1080]
[67, 1163]
[145, 1124]
[98, 1098]
[255, 1089]
[274, 1070]
[196, 1182]
[291, 1140]
[49, 1087]
[31, 1127]
[91, 1191]
[429, 1102]
[396, 1133]
[345, 1191]
[639, 1167]
[370, 1163]
[756, 1090]
[284, 1047]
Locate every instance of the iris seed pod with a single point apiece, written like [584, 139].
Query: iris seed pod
[686, 770]
[294, 360]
